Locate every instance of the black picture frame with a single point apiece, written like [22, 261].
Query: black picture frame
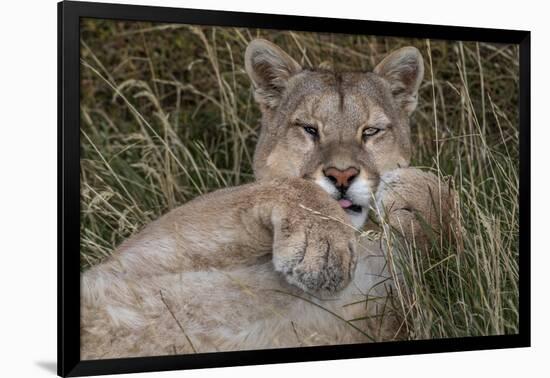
[69, 14]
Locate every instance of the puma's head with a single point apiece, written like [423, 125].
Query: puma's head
[342, 130]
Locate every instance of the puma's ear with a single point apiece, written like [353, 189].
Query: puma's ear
[269, 68]
[404, 70]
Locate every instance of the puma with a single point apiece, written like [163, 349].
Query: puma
[278, 262]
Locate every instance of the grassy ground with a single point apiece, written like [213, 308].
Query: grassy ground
[167, 114]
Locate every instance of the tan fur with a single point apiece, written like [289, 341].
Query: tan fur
[269, 264]
[418, 205]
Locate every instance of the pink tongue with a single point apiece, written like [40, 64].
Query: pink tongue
[345, 203]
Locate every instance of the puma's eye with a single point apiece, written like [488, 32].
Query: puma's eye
[370, 131]
[311, 130]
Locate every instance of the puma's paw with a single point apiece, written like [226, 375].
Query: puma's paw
[416, 204]
[317, 256]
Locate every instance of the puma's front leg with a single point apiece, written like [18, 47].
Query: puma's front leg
[416, 204]
[305, 231]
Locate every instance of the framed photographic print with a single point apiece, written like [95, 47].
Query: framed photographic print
[241, 188]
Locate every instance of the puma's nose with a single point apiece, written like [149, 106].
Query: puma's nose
[342, 179]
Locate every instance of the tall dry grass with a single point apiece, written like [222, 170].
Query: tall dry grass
[167, 114]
